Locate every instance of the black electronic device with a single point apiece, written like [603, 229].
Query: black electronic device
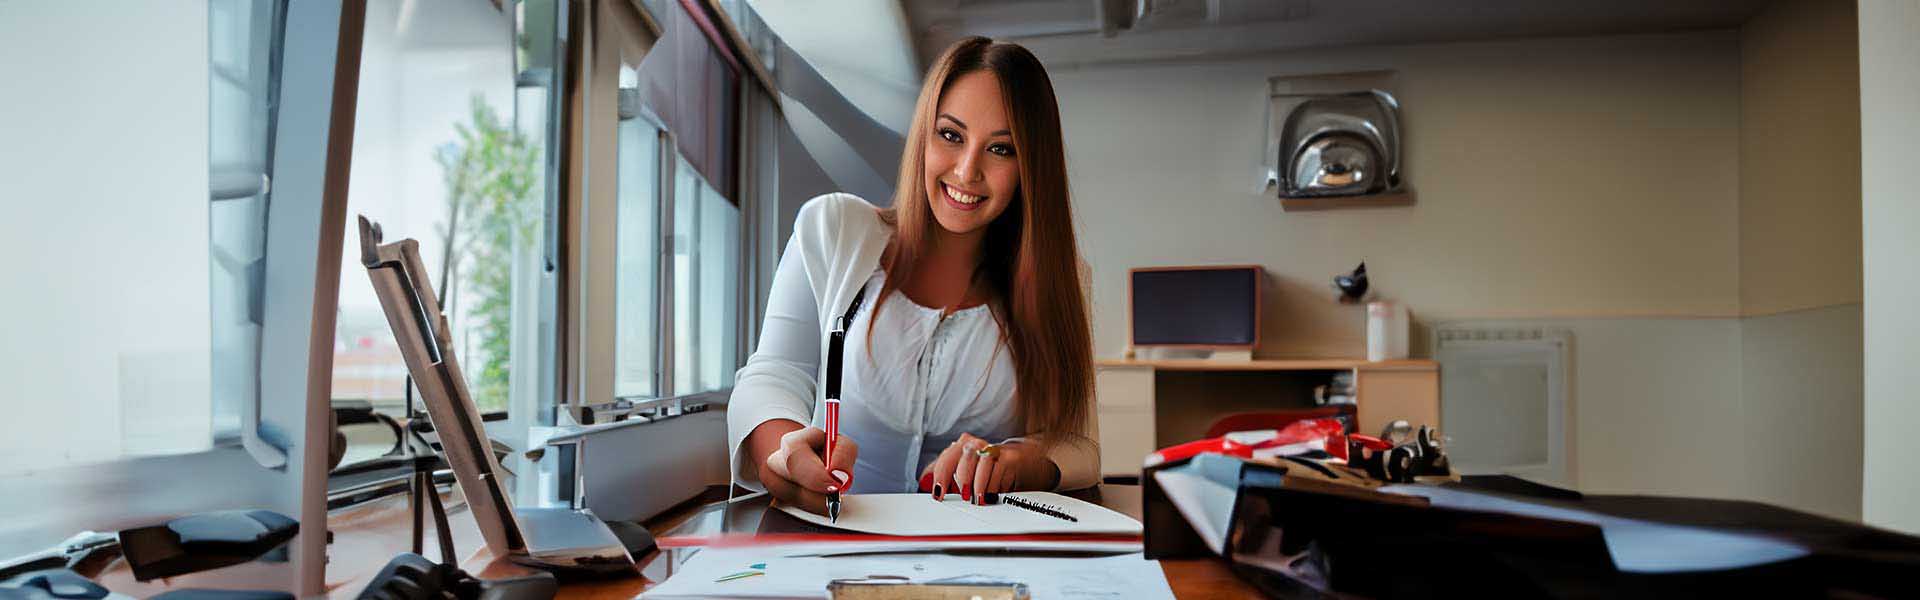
[412, 577]
[1202, 307]
[204, 541]
[1353, 286]
[51, 584]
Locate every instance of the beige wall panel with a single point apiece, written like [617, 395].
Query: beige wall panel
[1799, 158]
[1564, 177]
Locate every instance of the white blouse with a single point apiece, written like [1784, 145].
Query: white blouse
[926, 379]
[929, 379]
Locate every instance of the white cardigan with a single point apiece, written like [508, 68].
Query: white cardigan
[835, 249]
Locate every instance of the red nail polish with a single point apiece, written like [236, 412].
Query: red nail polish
[966, 492]
[926, 483]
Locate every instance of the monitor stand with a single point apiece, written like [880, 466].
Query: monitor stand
[1220, 355]
[1234, 356]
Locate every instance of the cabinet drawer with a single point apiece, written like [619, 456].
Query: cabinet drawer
[1126, 437]
[1123, 387]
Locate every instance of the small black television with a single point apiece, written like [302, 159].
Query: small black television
[1200, 307]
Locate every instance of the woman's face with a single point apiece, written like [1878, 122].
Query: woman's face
[972, 171]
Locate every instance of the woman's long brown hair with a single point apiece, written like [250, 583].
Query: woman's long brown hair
[1029, 258]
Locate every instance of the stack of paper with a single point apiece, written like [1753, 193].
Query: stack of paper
[803, 571]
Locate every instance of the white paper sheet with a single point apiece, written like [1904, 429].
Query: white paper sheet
[1206, 504]
[1119, 576]
[920, 514]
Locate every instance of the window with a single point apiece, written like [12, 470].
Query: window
[707, 286]
[449, 151]
[636, 314]
[679, 276]
[703, 253]
[163, 207]
[130, 330]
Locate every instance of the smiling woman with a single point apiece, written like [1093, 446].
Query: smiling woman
[967, 178]
[977, 330]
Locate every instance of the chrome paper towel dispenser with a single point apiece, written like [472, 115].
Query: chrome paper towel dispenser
[1336, 144]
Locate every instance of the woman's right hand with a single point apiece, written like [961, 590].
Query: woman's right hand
[794, 472]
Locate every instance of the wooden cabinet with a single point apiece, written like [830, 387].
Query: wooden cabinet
[1144, 405]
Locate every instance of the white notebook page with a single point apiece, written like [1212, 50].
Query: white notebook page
[920, 514]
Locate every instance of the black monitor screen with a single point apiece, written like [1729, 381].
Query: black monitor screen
[1213, 307]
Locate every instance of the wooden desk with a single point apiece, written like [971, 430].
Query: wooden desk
[366, 537]
[1144, 405]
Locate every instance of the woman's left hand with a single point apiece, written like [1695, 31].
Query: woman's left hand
[963, 469]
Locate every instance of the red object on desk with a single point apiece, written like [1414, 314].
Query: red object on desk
[1327, 432]
[1275, 419]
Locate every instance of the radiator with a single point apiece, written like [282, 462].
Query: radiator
[1506, 399]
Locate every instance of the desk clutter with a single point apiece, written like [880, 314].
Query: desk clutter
[1287, 530]
[913, 546]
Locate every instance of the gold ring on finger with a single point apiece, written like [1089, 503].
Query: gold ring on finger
[988, 450]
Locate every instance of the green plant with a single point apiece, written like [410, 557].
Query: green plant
[490, 171]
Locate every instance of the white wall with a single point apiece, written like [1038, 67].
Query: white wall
[1800, 398]
[1890, 216]
[106, 311]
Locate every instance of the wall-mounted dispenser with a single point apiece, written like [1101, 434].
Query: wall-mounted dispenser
[1323, 146]
[1345, 145]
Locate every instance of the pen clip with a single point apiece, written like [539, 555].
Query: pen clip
[836, 346]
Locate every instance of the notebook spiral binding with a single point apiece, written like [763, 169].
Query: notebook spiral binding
[1039, 507]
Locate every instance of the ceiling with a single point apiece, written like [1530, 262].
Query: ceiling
[1087, 32]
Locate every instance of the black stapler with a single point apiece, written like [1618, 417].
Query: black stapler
[204, 541]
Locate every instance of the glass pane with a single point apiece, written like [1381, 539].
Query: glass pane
[637, 263]
[445, 153]
[240, 50]
[686, 212]
[719, 260]
[706, 284]
[536, 36]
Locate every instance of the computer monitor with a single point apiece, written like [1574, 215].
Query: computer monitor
[1197, 307]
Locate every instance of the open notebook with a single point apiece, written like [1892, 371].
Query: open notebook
[920, 514]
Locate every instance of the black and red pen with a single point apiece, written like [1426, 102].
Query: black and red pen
[836, 343]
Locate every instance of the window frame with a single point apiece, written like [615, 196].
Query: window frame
[280, 464]
[624, 32]
[665, 401]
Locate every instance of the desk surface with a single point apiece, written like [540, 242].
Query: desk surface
[366, 537]
[1306, 364]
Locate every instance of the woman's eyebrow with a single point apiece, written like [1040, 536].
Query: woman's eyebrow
[963, 125]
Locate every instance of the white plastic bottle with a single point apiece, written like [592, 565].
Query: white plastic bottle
[1387, 324]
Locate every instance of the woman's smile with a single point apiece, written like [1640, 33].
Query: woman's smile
[960, 199]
